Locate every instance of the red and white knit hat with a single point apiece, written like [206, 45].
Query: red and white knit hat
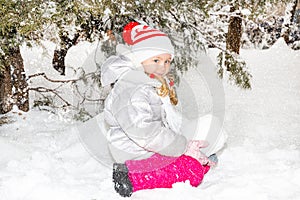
[146, 42]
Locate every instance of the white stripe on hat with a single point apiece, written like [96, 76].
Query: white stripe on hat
[142, 32]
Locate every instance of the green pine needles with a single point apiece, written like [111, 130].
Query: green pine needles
[229, 63]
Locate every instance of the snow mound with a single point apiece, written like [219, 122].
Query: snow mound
[281, 45]
[10, 151]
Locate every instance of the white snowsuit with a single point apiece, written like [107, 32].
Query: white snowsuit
[140, 122]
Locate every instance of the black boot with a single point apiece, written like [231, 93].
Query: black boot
[123, 185]
[214, 158]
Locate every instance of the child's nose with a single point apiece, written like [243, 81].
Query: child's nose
[161, 65]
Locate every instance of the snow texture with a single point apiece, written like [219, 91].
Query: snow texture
[42, 158]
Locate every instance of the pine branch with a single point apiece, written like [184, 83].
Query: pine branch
[45, 90]
[84, 97]
[60, 81]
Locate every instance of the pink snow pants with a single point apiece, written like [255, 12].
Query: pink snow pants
[163, 171]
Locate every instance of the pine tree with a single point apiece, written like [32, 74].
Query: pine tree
[5, 90]
[229, 61]
[75, 20]
[287, 24]
[20, 22]
[192, 26]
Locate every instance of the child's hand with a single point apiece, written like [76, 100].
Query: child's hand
[193, 150]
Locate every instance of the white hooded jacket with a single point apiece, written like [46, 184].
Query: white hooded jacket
[136, 115]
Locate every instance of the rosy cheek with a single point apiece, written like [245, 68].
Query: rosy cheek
[148, 69]
[167, 68]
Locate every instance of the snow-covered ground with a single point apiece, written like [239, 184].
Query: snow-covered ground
[43, 159]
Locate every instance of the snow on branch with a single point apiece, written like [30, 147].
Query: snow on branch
[58, 81]
[83, 95]
[48, 90]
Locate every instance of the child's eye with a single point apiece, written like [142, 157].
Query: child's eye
[167, 62]
[156, 60]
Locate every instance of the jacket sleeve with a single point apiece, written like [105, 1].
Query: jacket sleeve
[138, 121]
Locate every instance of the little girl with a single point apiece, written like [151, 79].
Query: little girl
[145, 138]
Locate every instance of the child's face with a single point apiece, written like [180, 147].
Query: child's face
[158, 65]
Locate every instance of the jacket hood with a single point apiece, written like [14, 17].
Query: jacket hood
[115, 67]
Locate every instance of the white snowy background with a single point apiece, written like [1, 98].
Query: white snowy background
[43, 159]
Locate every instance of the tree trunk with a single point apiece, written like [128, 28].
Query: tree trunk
[287, 28]
[58, 61]
[5, 91]
[234, 35]
[20, 93]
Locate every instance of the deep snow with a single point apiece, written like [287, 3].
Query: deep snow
[42, 158]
